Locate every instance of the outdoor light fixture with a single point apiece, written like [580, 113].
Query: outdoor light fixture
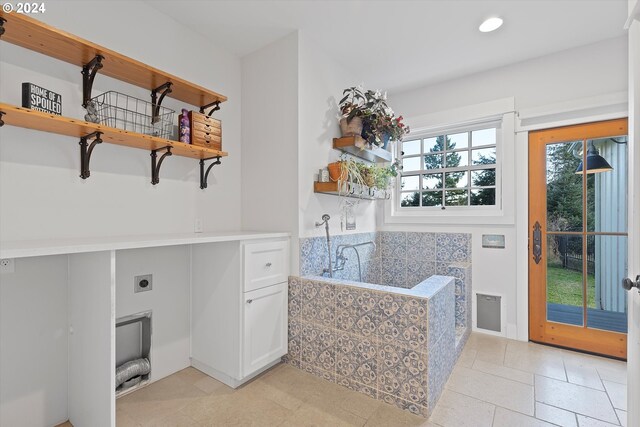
[595, 162]
[490, 24]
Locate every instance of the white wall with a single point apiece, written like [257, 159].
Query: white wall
[169, 300]
[322, 81]
[270, 138]
[33, 332]
[539, 82]
[41, 195]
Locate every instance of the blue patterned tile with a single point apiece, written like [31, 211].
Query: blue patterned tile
[318, 347]
[294, 336]
[371, 271]
[318, 302]
[328, 375]
[442, 357]
[441, 313]
[394, 244]
[357, 359]
[349, 383]
[393, 272]
[295, 300]
[402, 373]
[403, 404]
[406, 324]
[421, 247]
[356, 311]
[453, 247]
[418, 271]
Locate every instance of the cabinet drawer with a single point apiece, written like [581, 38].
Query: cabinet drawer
[203, 127]
[202, 118]
[265, 264]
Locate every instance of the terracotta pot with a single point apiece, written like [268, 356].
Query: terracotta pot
[337, 172]
[353, 128]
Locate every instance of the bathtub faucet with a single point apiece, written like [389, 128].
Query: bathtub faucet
[325, 222]
[341, 259]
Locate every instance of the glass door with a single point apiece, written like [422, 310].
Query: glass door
[578, 237]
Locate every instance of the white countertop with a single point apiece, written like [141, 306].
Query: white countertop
[31, 248]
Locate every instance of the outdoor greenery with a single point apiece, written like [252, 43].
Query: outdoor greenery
[564, 286]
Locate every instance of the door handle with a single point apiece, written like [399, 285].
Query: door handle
[268, 264]
[537, 242]
[249, 301]
[628, 284]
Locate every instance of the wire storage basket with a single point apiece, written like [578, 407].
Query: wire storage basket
[122, 111]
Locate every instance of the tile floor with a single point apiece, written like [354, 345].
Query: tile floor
[496, 382]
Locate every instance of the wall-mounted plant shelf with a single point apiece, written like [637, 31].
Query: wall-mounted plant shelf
[357, 146]
[348, 189]
[24, 31]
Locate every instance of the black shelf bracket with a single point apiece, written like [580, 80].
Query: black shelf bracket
[2, 113]
[2, 21]
[215, 105]
[204, 175]
[155, 163]
[89, 72]
[164, 90]
[85, 152]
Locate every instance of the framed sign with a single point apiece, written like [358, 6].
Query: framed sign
[41, 99]
[495, 241]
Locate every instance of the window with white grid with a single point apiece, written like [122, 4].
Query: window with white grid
[449, 169]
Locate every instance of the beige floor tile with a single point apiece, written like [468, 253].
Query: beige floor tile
[555, 415]
[614, 371]
[492, 389]
[318, 414]
[210, 385]
[591, 422]
[390, 416]
[190, 375]
[457, 410]
[574, 398]
[622, 417]
[507, 418]
[467, 357]
[173, 420]
[583, 373]
[285, 396]
[503, 371]
[65, 424]
[357, 403]
[488, 347]
[536, 359]
[124, 420]
[617, 393]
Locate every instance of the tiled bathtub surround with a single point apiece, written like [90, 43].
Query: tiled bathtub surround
[395, 345]
[401, 259]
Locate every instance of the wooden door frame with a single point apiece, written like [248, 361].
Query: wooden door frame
[540, 330]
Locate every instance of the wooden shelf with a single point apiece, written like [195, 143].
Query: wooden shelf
[32, 34]
[332, 188]
[357, 146]
[31, 119]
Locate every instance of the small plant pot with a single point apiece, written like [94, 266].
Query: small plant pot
[337, 172]
[351, 128]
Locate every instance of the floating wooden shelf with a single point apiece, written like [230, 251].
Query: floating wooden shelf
[31, 119]
[32, 34]
[348, 190]
[357, 146]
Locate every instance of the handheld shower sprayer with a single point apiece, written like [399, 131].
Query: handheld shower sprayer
[325, 222]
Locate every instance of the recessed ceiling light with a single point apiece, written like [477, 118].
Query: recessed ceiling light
[490, 24]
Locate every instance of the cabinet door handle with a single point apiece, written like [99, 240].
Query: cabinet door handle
[249, 301]
[268, 264]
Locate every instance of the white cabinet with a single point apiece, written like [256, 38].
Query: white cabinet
[265, 327]
[234, 339]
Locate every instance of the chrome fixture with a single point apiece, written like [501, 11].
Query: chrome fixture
[325, 222]
[341, 259]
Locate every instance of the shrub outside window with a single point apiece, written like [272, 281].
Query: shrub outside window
[455, 169]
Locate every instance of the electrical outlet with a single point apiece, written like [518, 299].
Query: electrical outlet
[197, 225]
[7, 265]
[143, 283]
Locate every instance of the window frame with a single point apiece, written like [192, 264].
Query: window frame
[495, 123]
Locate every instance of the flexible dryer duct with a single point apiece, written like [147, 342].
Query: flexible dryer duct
[131, 369]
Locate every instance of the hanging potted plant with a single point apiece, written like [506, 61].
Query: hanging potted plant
[352, 111]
